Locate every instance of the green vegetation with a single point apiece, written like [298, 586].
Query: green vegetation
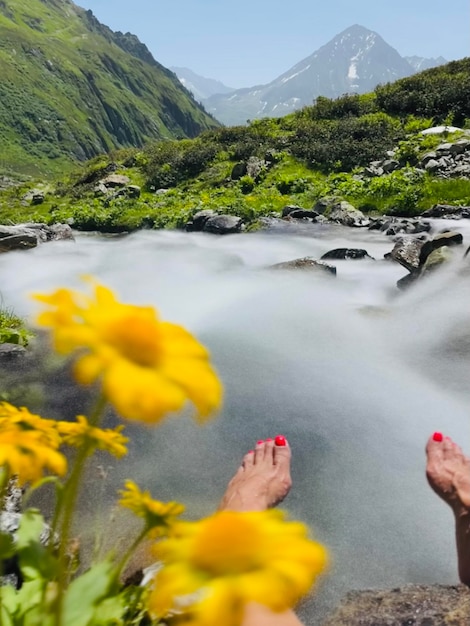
[320, 150]
[71, 88]
[12, 328]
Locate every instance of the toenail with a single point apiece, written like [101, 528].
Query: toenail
[259, 442]
[280, 440]
[437, 437]
[251, 451]
[268, 439]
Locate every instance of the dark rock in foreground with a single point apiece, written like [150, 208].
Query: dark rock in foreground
[24, 236]
[413, 605]
[223, 224]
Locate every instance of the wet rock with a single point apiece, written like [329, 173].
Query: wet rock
[303, 214]
[407, 252]
[223, 225]
[443, 239]
[436, 259]
[305, 263]
[346, 253]
[287, 210]
[414, 605]
[444, 211]
[22, 241]
[29, 235]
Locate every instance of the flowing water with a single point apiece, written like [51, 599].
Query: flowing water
[353, 372]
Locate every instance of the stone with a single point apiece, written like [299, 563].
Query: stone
[438, 257]
[100, 190]
[115, 180]
[223, 225]
[133, 191]
[432, 165]
[390, 165]
[305, 263]
[325, 203]
[11, 352]
[61, 231]
[199, 219]
[441, 210]
[21, 241]
[254, 167]
[443, 149]
[430, 156]
[346, 253]
[346, 214]
[443, 239]
[407, 252]
[303, 214]
[413, 605]
[287, 210]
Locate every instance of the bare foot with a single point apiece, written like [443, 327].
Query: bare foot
[448, 473]
[262, 480]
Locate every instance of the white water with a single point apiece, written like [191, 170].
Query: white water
[356, 375]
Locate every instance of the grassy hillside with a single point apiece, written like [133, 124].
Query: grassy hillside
[72, 89]
[311, 153]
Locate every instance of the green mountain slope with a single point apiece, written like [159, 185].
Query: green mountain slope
[71, 88]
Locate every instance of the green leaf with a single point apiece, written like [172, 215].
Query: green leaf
[35, 558]
[7, 546]
[87, 592]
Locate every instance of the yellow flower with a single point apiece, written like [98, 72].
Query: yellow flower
[29, 453]
[80, 433]
[25, 420]
[148, 367]
[214, 567]
[157, 515]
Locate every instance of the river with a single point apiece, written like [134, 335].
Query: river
[355, 373]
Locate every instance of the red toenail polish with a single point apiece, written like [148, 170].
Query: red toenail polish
[259, 442]
[268, 439]
[280, 440]
[437, 437]
[251, 451]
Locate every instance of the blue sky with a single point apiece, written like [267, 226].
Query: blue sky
[249, 42]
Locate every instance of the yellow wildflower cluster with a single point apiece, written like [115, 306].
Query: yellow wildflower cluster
[214, 567]
[29, 445]
[80, 433]
[147, 367]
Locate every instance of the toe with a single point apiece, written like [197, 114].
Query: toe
[248, 460]
[269, 451]
[434, 448]
[259, 452]
[282, 453]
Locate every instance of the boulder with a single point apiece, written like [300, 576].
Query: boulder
[346, 253]
[196, 223]
[346, 214]
[115, 180]
[223, 224]
[11, 352]
[324, 204]
[407, 252]
[390, 165]
[29, 235]
[432, 165]
[443, 239]
[22, 241]
[305, 263]
[287, 210]
[414, 605]
[254, 167]
[443, 210]
[133, 191]
[438, 257]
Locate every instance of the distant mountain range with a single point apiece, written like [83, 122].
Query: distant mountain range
[201, 87]
[355, 61]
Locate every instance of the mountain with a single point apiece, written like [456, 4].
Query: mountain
[354, 61]
[199, 86]
[72, 88]
[419, 64]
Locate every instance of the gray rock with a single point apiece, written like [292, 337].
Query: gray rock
[443, 149]
[287, 210]
[61, 231]
[100, 190]
[199, 219]
[407, 252]
[436, 259]
[325, 203]
[430, 156]
[254, 167]
[115, 180]
[346, 214]
[442, 210]
[22, 241]
[443, 239]
[133, 191]
[390, 165]
[11, 352]
[305, 263]
[223, 224]
[303, 214]
[346, 253]
[413, 605]
[432, 165]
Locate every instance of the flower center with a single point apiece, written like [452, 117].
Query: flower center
[227, 544]
[137, 337]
